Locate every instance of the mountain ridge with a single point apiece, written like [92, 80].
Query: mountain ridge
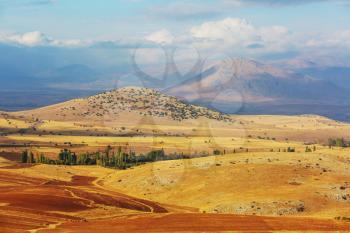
[254, 83]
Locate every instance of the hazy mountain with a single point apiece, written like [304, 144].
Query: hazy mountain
[74, 76]
[240, 86]
[40, 76]
[15, 100]
[339, 76]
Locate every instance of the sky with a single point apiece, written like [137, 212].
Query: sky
[262, 29]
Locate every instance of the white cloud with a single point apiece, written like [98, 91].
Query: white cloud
[161, 37]
[273, 33]
[238, 34]
[230, 29]
[339, 39]
[29, 38]
[37, 38]
[230, 36]
[70, 43]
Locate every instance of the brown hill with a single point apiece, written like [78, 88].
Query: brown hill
[141, 111]
[123, 104]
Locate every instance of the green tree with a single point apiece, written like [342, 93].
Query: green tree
[24, 157]
[307, 149]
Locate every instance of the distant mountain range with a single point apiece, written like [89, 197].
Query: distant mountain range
[33, 78]
[249, 87]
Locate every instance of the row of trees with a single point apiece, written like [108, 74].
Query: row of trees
[108, 158]
[338, 142]
[118, 158]
[27, 157]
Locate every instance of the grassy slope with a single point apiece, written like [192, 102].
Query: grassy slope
[260, 181]
[248, 183]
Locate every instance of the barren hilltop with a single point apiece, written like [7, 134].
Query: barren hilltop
[142, 111]
[124, 104]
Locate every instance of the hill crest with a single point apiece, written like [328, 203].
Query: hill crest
[113, 105]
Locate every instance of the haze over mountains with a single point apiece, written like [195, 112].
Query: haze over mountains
[247, 86]
[257, 83]
[231, 85]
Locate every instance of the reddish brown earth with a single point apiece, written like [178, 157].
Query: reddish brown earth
[18, 165]
[196, 222]
[12, 156]
[28, 203]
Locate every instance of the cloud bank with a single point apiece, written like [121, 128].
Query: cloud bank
[37, 38]
[231, 36]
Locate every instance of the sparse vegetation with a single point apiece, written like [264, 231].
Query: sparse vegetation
[118, 158]
[308, 149]
[147, 102]
[338, 142]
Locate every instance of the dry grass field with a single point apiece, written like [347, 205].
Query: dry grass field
[254, 192]
[236, 174]
[262, 183]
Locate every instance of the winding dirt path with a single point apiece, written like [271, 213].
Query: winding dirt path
[28, 203]
[41, 205]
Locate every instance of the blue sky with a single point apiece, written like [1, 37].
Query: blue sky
[118, 19]
[252, 28]
[103, 44]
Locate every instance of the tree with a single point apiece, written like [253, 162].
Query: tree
[289, 149]
[24, 157]
[338, 142]
[62, 155]
[216, 152]
[74, 159]
[119, 160]
[30, 157]
[307, 149]
[156, 155]
[331, 142]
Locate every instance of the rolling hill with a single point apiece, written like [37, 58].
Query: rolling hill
[123, 104]
[134, 111]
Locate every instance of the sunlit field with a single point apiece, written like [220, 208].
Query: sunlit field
[184, 116]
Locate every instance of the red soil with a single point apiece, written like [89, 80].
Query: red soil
[196, 222]
[18, 166]
[12, 156]
[76, 181]
[25, 202]
[29, 203]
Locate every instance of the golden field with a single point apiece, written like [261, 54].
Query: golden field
[235, 173]
[297, 187]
